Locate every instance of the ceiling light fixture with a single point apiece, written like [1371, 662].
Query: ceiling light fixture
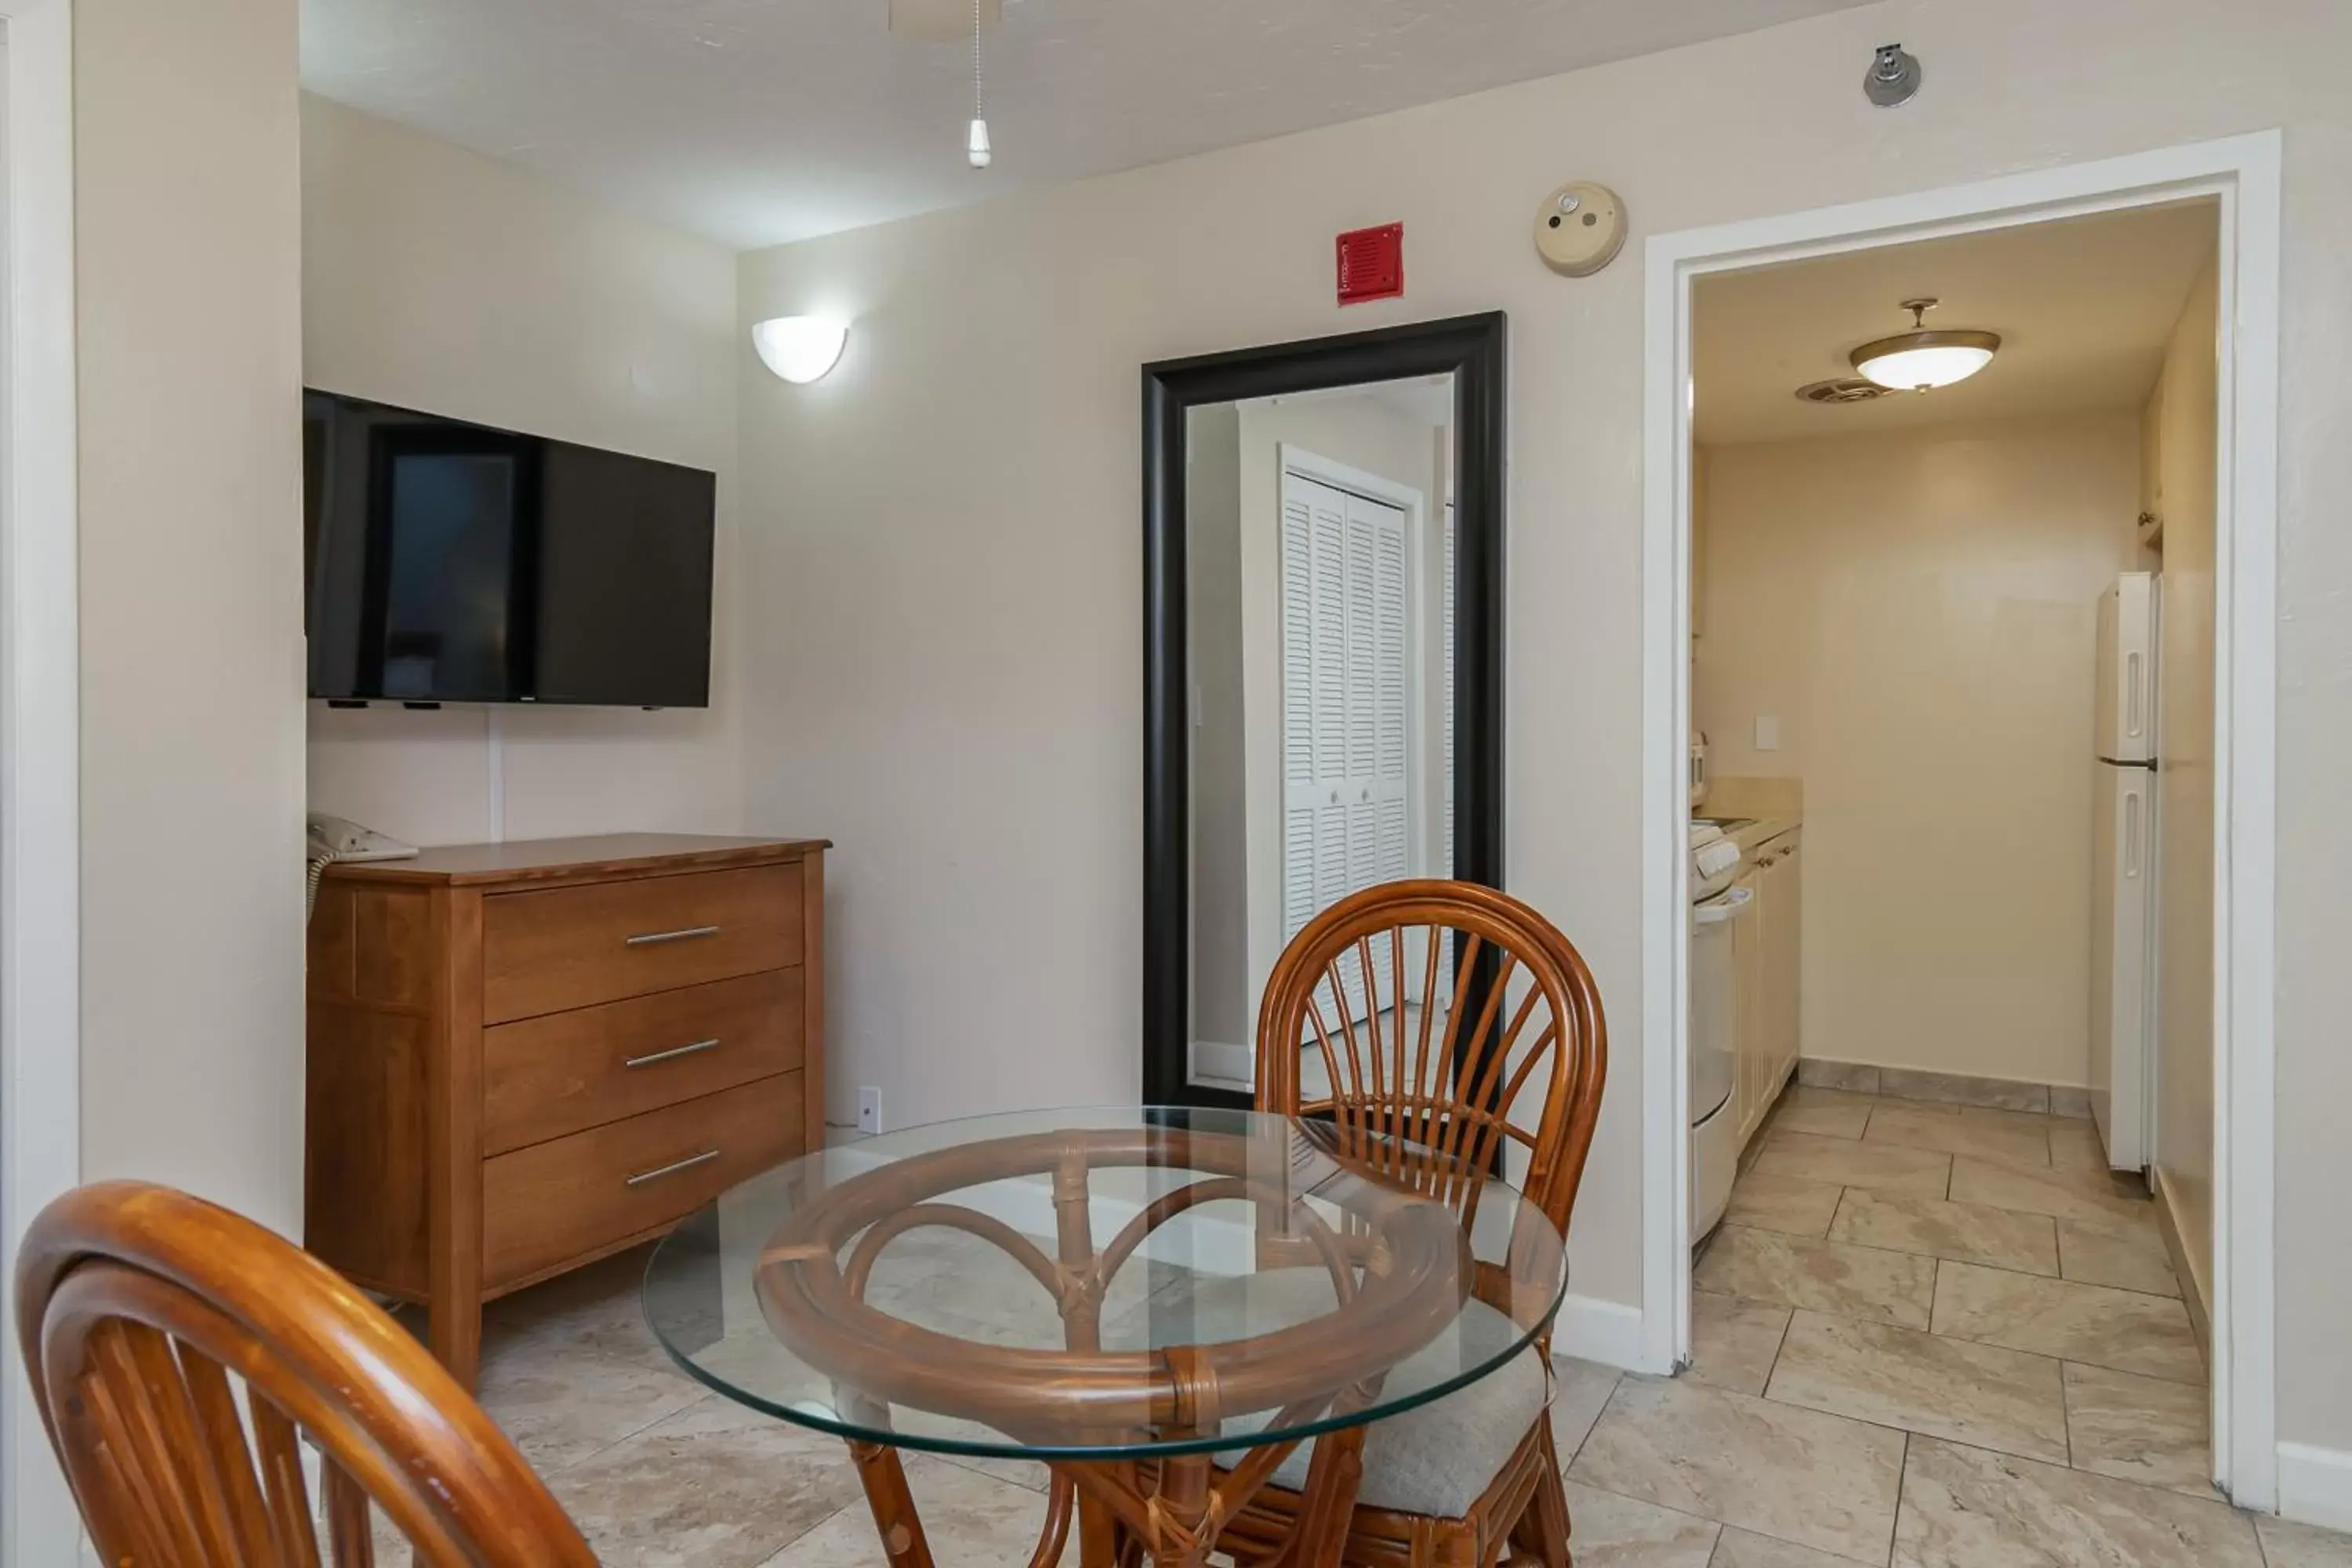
[801, 348]
[975, 147]
[1925, 358]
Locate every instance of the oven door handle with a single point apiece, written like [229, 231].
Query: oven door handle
[1730, 906]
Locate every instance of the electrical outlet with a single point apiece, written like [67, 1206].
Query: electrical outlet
[869, 1108]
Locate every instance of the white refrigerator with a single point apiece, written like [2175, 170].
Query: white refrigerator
[2123, 874]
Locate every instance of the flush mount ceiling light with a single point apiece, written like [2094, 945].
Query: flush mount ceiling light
[1925, 358]
[801, 348]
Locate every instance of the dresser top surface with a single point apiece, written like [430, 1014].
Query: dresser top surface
[574, 859]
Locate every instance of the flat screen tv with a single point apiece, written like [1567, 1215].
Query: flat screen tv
[455, 563]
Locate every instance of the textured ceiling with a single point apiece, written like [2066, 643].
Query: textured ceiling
[756, 121]
[2084, 307]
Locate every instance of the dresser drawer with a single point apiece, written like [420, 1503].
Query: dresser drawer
[561, 1072]
[545, 950]
[554, 1202]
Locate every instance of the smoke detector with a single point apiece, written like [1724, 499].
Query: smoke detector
[1580, 228]
[1893, 77]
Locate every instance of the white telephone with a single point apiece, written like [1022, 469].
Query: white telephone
[334, 839]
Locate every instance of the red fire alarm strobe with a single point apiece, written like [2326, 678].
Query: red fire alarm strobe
[1371, 264]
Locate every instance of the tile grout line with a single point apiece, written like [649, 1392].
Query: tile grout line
[2066, 1409]
[961, 1462]
[2097, 1477]
[800, 1535]
[2051, 1279]
[1902, 1483]
[1614, 1389]
[702, 1397]
[1787, 1325]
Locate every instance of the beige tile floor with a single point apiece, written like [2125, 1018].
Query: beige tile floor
[1928, 1335]
[1925, 1336]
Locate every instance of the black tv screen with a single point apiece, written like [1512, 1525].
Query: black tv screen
[455, 563]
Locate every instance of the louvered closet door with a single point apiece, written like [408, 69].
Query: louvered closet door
[1347, 747]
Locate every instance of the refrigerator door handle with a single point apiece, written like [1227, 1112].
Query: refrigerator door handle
[2135, 723]
[2131, 833]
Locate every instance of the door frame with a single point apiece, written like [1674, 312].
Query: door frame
[2244, 174]
[40, 730]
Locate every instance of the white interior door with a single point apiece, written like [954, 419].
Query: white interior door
[1346, 705]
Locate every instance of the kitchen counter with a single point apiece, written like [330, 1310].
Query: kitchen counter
[1772, 806]
[1752, 834]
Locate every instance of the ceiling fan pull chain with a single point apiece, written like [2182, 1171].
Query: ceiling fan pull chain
[976, 145]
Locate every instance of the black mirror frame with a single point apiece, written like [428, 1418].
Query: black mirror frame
[1470, 349]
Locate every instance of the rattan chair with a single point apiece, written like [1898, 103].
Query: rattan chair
[140, 1310]
[1456, 1032]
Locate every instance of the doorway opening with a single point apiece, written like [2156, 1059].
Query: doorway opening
[1883, 609]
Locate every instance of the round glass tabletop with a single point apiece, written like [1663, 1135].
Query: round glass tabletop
[1104, 1284]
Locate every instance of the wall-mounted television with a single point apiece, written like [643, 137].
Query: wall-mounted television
[447, 561]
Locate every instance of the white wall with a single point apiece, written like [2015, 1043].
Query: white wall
[435, 279]
[1918, 610]
[948, 648]
[2184, 473]
[187, 273]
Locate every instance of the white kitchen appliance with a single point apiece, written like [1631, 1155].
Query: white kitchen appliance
[2123, 874]
[1715, 904]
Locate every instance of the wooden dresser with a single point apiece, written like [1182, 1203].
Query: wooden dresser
[524, 1056]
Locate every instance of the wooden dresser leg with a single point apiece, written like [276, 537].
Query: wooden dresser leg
[454, 1331]
[453, 1142]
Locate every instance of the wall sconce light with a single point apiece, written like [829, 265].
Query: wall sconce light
[801, 348]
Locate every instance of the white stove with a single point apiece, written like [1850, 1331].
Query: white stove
[1715, 859]
[1716, 907]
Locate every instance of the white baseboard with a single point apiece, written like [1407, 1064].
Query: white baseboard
[2192, 1272]
[2315, 1485]
[1606, 1331]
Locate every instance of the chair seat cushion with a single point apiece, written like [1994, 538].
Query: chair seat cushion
[1435, 1458]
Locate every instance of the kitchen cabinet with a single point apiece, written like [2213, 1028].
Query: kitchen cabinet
[1767, 966]
[1748, 971]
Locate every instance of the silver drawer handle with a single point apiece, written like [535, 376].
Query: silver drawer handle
[654, 938]
[672, 1169]
[672, 1054]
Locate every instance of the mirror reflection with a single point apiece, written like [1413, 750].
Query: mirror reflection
[1320, 631]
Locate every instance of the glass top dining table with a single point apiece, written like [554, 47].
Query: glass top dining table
[1132, 1295]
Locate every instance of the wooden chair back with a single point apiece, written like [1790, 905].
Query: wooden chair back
[1459, 1035]
[140, 1309]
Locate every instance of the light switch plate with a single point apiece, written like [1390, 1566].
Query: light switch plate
[1768, 732]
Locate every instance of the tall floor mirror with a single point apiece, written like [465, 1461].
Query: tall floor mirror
[1323, 587]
